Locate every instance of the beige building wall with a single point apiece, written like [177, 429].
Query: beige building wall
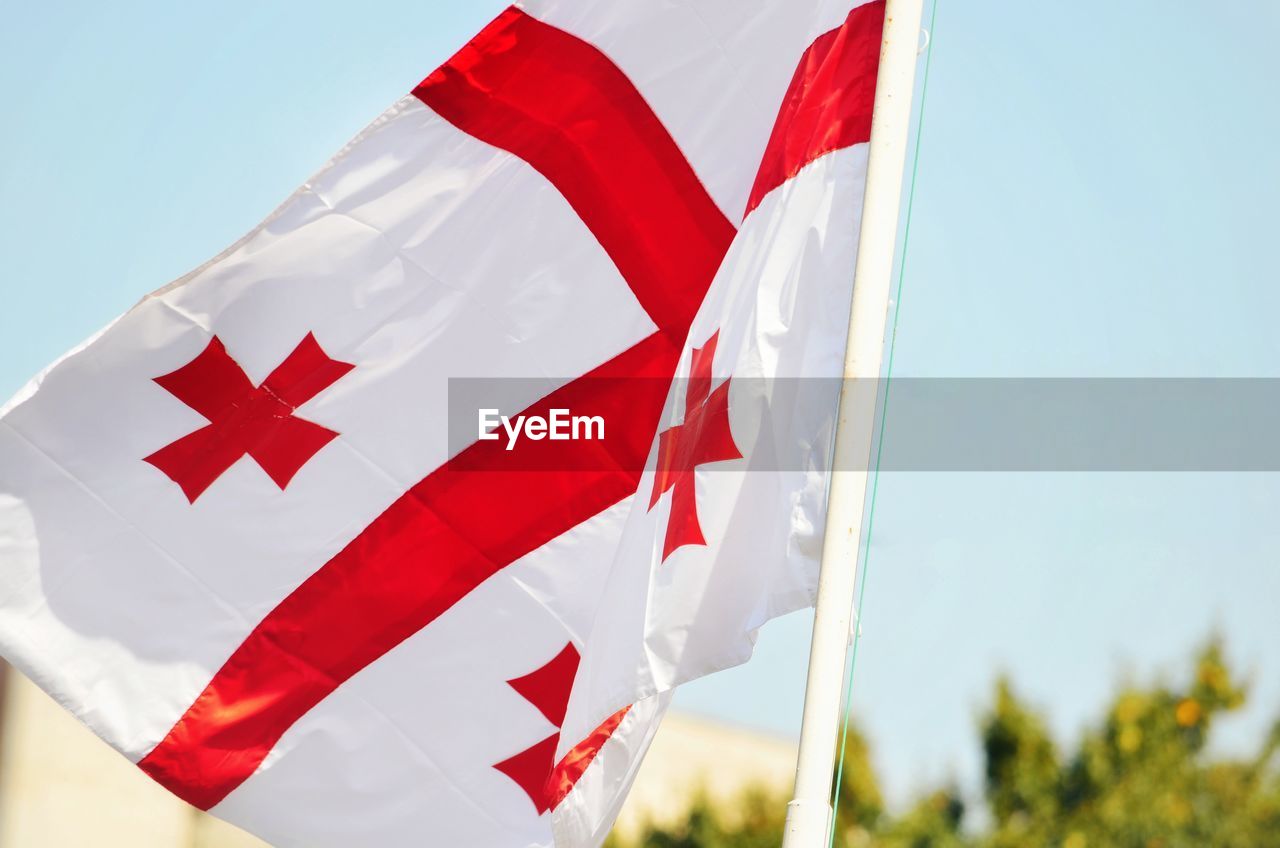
[691, 755]
[61, 787]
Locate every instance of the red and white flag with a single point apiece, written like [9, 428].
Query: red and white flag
[239, 540]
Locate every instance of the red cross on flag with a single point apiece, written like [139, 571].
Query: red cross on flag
[236, 540]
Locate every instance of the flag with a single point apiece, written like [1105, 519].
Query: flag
[245, 540]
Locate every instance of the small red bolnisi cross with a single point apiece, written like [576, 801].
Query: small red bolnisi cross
[245, 420]
[704, 437]
[546, 688]
[237, 543]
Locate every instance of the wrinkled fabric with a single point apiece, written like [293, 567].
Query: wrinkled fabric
[232, 541]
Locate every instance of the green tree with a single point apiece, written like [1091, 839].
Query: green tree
[1139, 778]
[861, 808]
[755, 821]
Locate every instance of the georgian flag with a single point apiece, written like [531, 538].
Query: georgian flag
[235, 539]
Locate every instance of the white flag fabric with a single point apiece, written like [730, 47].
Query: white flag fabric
[239, 535]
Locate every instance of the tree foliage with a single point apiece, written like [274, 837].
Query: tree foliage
[1139, 777]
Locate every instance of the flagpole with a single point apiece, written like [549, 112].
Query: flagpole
[809, 814]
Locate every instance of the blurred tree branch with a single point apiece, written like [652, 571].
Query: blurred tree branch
[1138, 778]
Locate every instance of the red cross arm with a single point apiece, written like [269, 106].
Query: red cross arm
[305, 373]
[434, 545]
[563, 107]
[211, 384]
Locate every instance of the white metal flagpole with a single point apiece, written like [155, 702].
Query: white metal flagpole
[809, 814]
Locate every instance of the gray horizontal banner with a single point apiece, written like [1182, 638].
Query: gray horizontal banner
[970, 424]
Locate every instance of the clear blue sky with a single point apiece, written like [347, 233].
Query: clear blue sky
[1096, 197]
